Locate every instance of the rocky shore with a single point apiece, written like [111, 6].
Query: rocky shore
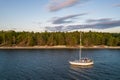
[62, 47]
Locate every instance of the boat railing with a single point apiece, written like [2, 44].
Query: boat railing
[85, 60]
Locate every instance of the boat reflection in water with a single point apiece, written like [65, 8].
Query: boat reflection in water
[80, 72]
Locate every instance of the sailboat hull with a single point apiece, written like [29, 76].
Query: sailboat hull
[81, 63]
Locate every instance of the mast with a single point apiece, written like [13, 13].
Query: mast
[80, 47]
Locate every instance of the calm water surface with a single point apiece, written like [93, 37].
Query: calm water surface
[53, 64]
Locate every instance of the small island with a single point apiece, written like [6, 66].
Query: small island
[58, 40]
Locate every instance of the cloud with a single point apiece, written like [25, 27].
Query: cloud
[66, 19]
[99, 25]
[109, 24]
[98, 20]
[56, 5]
[56, 28]
[116, 5]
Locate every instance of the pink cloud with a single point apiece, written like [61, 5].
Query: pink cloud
[58, 4]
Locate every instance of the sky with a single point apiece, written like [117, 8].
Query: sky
[60, 15]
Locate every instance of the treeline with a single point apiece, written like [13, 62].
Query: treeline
[12, 38]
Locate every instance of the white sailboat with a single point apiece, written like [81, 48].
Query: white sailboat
[81, 61]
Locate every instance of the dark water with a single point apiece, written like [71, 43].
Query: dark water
[53, 65]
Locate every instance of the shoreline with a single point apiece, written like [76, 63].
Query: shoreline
[62, 47]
